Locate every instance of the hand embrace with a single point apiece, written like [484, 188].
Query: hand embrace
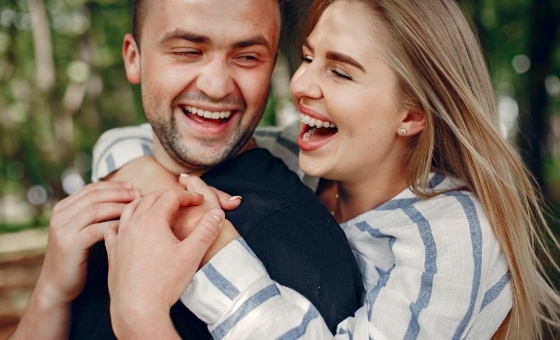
[149, 268]
[78, 222]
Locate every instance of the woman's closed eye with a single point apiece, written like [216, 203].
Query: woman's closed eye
[306, 59]
[340, 74]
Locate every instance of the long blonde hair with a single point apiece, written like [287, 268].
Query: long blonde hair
[442, 71]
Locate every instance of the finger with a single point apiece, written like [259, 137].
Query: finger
[129, 210]
[89, 188]
[167, 205]
[227, 202]
[110, 237]
[95, 233]
[91, 198]
[96, 213]
[206, 232]
[195, 184]
[110, 244]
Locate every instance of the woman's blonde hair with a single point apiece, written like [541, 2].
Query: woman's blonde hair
[436, 55]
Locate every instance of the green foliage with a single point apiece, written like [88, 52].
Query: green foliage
[50, 121]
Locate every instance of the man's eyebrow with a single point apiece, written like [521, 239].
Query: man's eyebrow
[203, 39]
[252, 41]
[185, 35]
[337, 56]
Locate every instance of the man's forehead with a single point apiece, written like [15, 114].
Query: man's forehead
[234, 21]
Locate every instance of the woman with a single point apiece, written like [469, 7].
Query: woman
[399, 120]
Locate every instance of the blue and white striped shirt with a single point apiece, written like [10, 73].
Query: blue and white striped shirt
[432, 269]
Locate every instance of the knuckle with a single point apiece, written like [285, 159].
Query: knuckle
[93, 211]
[92, 195]
[209, 231]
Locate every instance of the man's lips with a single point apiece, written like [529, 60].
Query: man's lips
[207, 114]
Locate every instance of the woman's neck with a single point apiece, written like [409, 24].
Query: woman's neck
[347, 200]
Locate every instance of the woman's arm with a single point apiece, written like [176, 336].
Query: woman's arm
[149, 267]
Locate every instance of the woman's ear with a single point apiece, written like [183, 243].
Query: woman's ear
[414, 122]
[131, 57]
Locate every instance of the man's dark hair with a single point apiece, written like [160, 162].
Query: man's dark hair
[138, 15]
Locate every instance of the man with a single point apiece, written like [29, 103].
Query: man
[204, 67]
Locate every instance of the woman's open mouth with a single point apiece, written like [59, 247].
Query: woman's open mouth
[315, 129]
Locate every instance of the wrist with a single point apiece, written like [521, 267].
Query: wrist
[47, 297]
[146, 322]
[228, 234]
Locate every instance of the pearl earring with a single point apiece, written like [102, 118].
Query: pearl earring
[403, 132]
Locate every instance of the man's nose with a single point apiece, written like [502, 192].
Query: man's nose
[215, 79]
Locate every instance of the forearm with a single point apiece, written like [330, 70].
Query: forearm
[260, 307]
[135, 325]
[43, 319]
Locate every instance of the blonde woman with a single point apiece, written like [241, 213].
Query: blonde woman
[398, 119]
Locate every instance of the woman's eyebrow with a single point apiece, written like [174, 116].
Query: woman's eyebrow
[343, 58]
[337, 56]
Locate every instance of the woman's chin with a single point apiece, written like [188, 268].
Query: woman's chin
[311, 166]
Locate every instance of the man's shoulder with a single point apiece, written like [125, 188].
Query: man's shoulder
[282, 143]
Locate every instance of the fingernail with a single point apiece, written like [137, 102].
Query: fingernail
[233, 198]
[184, 175]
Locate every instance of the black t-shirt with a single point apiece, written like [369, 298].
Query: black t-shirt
[282, 221]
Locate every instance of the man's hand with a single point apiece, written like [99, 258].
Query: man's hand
[149, 267]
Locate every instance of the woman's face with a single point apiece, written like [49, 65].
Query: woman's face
[345, 87]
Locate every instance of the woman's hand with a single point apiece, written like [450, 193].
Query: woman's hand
[77, 223]
[149, 267]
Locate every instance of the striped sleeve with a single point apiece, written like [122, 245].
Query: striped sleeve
[444, 275]
[116, 147]
[234, 295]
[427, 276]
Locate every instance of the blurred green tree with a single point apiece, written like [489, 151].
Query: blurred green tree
[62, 83]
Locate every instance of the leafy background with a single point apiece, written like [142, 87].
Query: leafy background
[62, 84]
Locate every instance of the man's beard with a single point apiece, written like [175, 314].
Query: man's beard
[173, 143]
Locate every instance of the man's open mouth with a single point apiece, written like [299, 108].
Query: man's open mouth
[316, 129]
[206, 114]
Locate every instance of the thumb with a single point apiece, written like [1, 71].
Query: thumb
[204, 234]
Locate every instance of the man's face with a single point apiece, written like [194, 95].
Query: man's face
[204, 68]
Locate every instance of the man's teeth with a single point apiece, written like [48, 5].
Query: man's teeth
[314, 122]
[208, 114]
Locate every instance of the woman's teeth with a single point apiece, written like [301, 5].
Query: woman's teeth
[208, 114]
[315, 125]
[307, 135]
[314, 122]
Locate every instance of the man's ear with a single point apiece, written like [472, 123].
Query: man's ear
[414, 121]
[131, 57]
